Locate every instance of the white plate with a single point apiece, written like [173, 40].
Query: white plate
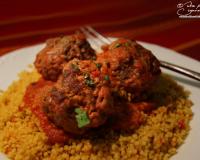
[14, 62]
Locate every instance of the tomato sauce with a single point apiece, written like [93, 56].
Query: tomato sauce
[33, 98]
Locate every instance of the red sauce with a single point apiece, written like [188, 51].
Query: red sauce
[181, 124]
[95, 73]
[32, 99]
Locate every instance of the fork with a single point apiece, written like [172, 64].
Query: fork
[100, 40]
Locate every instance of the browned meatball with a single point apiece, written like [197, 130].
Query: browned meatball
[78, 89]
[131, 68]
[120, 73]
[49, 62]
[90, 92]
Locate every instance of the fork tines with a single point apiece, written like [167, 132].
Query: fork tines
[91, 33]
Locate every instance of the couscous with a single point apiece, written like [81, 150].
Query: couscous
[164, 131]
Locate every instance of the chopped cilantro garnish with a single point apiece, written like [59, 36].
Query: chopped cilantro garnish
[117, 45]
[81, 117]
[90, 82]
[127, 44]
[86, 76]
[106, 77]
[74, 67]
[98, 65]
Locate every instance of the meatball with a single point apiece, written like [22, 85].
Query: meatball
[80, 94]
[91, 90]
[131, 116]
[49, 61]
[132, 68]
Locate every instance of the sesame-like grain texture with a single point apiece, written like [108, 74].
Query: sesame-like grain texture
[158, 139]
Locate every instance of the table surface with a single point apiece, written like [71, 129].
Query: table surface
[24, 23]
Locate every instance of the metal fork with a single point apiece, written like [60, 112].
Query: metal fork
[100, 40]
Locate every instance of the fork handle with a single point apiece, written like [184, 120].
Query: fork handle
[182, 70]
[90, 32]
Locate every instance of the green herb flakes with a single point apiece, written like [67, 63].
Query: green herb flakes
[86, 75]
[117, 45]
[81, 117]
[74, 67]
[106, 77]
[89, 82]
[127, 44]
[98, 65]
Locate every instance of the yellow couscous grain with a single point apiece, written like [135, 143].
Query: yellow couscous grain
[22, 138]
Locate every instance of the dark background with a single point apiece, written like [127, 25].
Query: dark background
[25, 22]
